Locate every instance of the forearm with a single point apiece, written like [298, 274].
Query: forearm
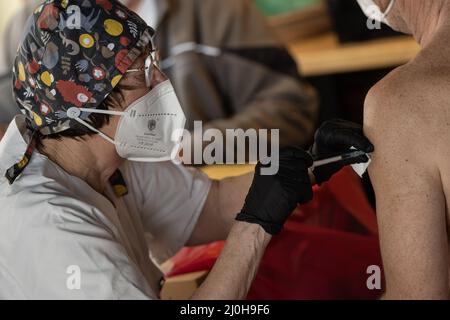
[236, 268]
[232, 194]
[224, 202]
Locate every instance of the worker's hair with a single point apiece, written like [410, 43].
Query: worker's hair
[115, 100]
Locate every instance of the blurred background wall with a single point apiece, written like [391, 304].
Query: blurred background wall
[7, 10]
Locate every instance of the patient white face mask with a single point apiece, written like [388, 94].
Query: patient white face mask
[150, 130]
[373, 11]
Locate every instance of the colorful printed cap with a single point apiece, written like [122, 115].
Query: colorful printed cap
[73, 54]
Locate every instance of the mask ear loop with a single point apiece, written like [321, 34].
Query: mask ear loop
[117, 180]
[151, 64]
[389, 8]
[75, 114]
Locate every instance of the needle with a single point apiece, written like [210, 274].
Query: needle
[350, 155]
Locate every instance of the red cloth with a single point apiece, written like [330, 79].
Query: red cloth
[323, 252]
[308, 262]
[195, 259]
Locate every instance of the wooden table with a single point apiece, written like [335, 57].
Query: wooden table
[324, 55]
[220, 172]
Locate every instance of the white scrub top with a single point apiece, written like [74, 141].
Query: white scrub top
[60, 239]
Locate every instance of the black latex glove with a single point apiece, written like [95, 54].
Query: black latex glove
[272, 199]
[334, 138]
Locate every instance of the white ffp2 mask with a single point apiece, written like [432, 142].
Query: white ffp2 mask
[373, 11]
[150, 129]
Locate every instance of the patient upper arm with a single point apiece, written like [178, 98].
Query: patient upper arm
[410, 200]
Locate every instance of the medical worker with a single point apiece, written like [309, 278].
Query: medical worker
[90, 203]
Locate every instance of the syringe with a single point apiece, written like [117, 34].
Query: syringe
[346, 156]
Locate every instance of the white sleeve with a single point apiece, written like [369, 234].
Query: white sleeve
[64, 255]
[172, 198]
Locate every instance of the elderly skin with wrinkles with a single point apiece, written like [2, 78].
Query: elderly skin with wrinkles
[407, 117]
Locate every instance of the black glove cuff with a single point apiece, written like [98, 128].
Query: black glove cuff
[270, 228]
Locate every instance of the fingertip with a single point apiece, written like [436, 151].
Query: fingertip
[363, 144]
[362, 159]
[370, 148]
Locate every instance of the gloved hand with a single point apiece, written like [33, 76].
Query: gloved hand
[334, 138]
[272, 199]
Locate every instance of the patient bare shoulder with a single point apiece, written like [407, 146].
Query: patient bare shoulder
[412, 106]
[407, 117]
[401, 119]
